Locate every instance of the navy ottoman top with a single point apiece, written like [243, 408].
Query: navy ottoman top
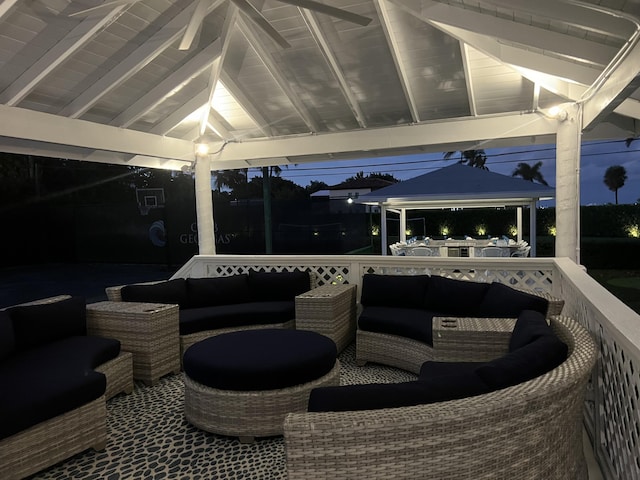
[262, 359]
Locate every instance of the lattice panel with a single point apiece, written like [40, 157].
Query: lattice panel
[323, 274]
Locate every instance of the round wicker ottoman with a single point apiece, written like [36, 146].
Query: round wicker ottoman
[244, 383]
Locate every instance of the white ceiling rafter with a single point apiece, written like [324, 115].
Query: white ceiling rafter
[172, 120]
[468, 78]
[333, 63]
[241, 98]
[6, 6]
[268, 61]
[383, 13]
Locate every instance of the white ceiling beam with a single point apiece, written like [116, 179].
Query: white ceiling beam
[390, 35]
[332, 61]
[157, 94]
[536, 38]
[245, 103]
[629, 108]
[26, 124]
[477, 129]
[131, 65]
[268, 61]
[57, 55]
[177, 116]
[464, 51]
[6, 6]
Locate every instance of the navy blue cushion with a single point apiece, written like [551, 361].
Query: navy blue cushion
[226, 316]
[207, 292]
[7, 338]
[270, 286]
[504, 301]
[38, 394]
[431, 370]
[263, 359]
[405, 322]
[525, 363]
[406, 291]
[36, 325]
[454, 297]
[530, 326]
[172, 291]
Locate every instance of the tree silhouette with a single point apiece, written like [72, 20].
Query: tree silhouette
[473, 158]
[614, 178]
[530, 172]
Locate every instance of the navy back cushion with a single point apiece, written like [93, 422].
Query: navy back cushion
[277, 286]
[214, 291]
[528, 362]
[172, 291]
[7, 338]
[36, 325]
[530, 326]
[504, 301]
[454, 297]
[404, 291]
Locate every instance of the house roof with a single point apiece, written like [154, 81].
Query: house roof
[114, 85]
[359, 183]
[459, 185]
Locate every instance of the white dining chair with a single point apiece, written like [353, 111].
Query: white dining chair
[522, 252]
[421, 252]
[493, 252]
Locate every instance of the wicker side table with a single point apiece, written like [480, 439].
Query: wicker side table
[329, 310]
[148, 330]
[458, 339]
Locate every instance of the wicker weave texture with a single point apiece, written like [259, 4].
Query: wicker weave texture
[392, 350]
[252, 413]
[527, 432]
[119, 373]
[465, 339]
[148, 330]
[49, 442]
[329, 310]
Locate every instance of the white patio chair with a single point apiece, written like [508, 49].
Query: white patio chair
[522, 252]
[494, 252]
[422, 252]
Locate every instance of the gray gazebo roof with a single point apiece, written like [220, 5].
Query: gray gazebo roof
[458, 186]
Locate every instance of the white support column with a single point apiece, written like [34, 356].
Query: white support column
[383, 229]
[204, 206]
[403, 224]
[568, 140]
[533, 213]
[519, 223]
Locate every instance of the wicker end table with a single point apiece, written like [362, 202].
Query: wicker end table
[150, 331]
[465, 339]
[329, 310]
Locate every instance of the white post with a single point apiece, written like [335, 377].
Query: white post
[383, 229]
[403, 224]
[568, 142]
[533, 213]
[204, 206]
[519, 223]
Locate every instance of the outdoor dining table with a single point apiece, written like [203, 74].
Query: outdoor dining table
[461, 248]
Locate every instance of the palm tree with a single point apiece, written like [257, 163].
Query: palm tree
[530, 172]
[230, 178]
[473, 158]
[614, 178]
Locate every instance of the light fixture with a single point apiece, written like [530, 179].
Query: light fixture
[556, 112]
[202, 148]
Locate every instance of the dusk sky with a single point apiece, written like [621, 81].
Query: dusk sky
[596, 158]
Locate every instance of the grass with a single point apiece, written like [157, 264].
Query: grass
[624, 284]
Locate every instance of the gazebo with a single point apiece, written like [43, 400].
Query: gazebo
[458, 186]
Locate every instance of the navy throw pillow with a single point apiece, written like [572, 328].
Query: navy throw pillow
[172, 291]
[504, 301]
[278, 286]
[405, 291]
[526, 363]
[454, 297]
[7, 338]
[530, 326]
[214, 291]
[36, 325]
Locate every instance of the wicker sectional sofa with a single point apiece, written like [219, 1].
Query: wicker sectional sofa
[55, 382]
[214, 305]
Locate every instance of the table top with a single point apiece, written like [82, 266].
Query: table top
[130, 307]
[327, 291]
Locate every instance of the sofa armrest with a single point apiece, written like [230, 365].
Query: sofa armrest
[466, 339]
[555, 304]
[114, 294]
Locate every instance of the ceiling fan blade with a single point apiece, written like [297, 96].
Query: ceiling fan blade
[89, 11]
[262, 22]
[194, 25]
[329, 10]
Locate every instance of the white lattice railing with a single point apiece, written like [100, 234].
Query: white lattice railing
[612, 415]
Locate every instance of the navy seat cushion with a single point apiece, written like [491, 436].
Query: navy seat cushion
[454, 297]
[404, 322]
[504, 301]
[36, 325]
[194, 320]
[276, 286]
[528, 362]
[206, 292]
[394, 395]
[7, 338]
[264, 359]
[406, 291]
[530, 326]
[172, 291]
[430, 370]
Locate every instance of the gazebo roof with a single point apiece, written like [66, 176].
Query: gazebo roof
[459, 186]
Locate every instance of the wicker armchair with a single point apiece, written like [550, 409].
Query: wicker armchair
[529, 431]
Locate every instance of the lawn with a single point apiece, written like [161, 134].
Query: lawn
[624, 284]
